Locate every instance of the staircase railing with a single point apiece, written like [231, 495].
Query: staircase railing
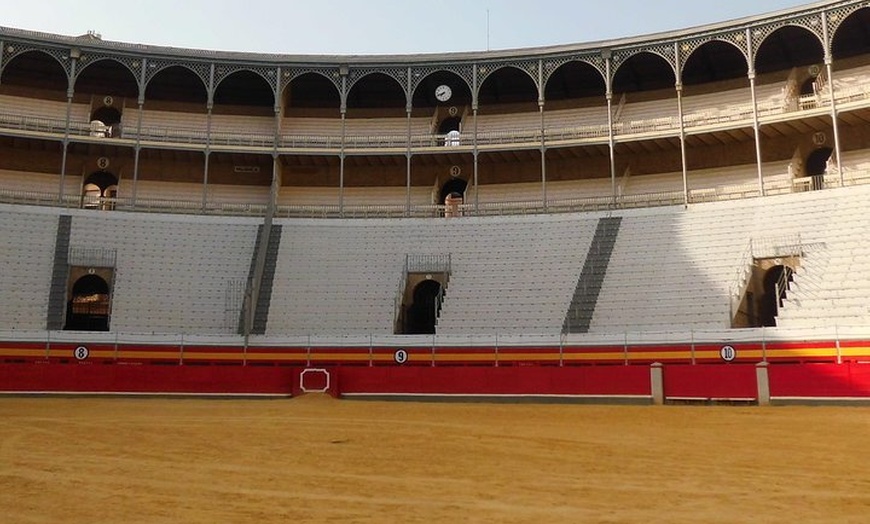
[782, 286]
[763, 247]
[400, 293]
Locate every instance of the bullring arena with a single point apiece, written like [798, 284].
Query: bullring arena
[510, 242]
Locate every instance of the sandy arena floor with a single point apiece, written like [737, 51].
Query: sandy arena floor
[315, 459]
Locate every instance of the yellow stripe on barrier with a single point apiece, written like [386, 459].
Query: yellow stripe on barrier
[167, 355]
[802, 353]
[594, 356]
[11, 352]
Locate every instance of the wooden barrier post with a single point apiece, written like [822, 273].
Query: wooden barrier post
[657, 384]
[763, 381]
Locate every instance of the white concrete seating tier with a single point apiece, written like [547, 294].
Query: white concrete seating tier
[43, 108]
[355, 127]
[190, 195]
[164, 125]
[12, 182]
[27, 242]
[673, 268]
[174, 274]
[354, 196]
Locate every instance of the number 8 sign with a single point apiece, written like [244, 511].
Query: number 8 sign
[81, 353]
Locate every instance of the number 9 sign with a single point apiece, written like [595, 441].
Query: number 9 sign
[400, 356]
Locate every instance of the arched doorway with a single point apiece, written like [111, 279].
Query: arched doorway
[88, 307]
[817, 166]
[449, 124]
[809, 86]
[453, 196]
[104, 120]
[450, 127]
[775, 283]
[107, 115]
[99, 191]
[423, 312]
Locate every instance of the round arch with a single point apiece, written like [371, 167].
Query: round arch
[643, 71]
[575, 79]
[424, 92]
[816, 166]
[176, 83]
[455, 186]
[244, 88]
[787, 47]
[714, 61]
[376, 91]
[88, 305]
[106, 76]
[422, 314]
[99, 189]
[851, 37]
[311, 90]
[507, 85]
[775, 285]
[35, 69]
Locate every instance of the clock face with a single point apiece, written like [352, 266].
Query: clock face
[443, 93]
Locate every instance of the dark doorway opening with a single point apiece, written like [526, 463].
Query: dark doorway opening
[776, 283]
[817, 166]
[453, 196]
[422, 315]
[88, 307]
[105, 122]
[99, 191]
[107, 115]
[809, 86]
[452, 123]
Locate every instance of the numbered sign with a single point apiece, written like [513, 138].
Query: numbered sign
[81, 353]
[400, 356]
[728, 353]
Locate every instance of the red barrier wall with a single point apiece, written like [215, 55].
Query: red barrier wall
[512, 380]
[710, 381]
[707, 381]
[119, 378]
[820, 380]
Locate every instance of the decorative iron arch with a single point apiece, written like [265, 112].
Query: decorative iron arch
[621, 56]
[133, 66]
[399, 74]
[12, 51]
[420, 74]
[289, 74]
[760, 33]
[837, 16]
[551, 65]
[224, 71]
[155, 67]
[688, 48]
[487, 69]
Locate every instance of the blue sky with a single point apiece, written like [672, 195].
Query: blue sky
[372, 26]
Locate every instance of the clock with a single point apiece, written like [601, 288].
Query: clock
[443, 93]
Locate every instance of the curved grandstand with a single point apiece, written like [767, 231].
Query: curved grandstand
[641, 195]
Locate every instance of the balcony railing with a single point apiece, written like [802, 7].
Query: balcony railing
[56, 125]
[516, 207]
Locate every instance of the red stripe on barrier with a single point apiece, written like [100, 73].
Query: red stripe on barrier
[710, 381]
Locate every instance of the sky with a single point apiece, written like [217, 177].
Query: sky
[352, 27]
